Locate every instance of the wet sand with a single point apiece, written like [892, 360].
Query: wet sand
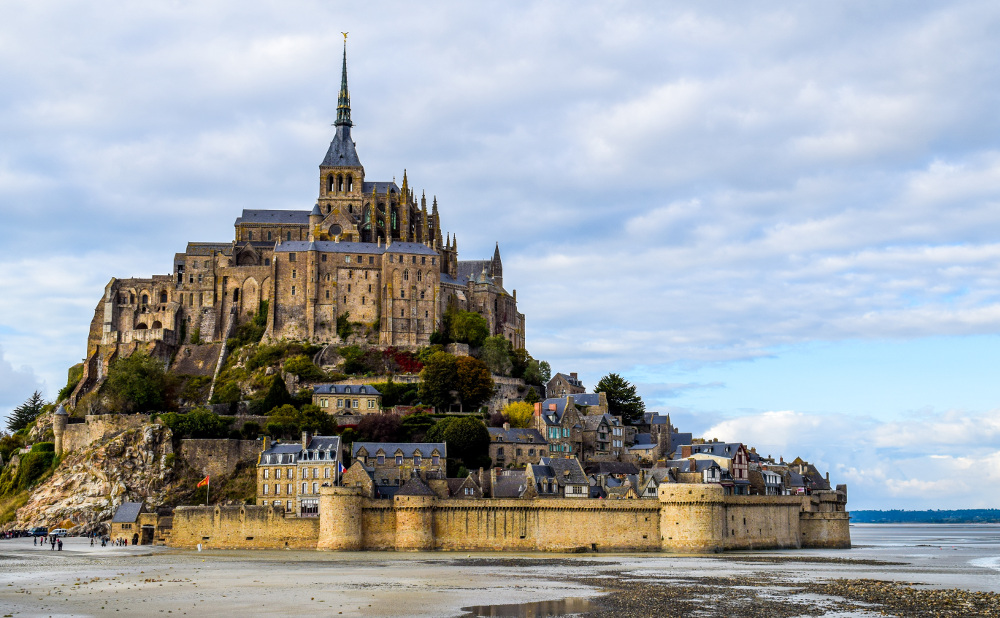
[865, 581]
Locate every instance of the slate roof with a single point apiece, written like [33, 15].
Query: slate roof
[367, 248]
[516, 435]
[549, 467]
[643, 440]
[342, 151]
[510, 485]
[684, 465]
[408, 448]
[654, 418]
[592, 422]
[415, 487]
[320, 448]
[611, 467]
[127, 513]
[583, 399]
[206, 248]
[570, 379]
[293, 217]
[345, 389]
[718, 449]
[380, 187]
[471, 269]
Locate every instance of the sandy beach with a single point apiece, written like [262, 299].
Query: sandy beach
[941, 577]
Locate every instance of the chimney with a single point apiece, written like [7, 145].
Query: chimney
[506, 427]
[686, 451]
[538, 408]
[552, 407]
[305, 440]
[573, 375]
[692, 465]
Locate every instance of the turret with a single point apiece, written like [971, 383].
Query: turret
[315, 218]
[59, 420]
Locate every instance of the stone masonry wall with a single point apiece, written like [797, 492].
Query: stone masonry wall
[218, 457]
[241, 527]
[80, 435]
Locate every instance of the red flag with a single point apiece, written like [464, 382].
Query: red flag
[203, 482]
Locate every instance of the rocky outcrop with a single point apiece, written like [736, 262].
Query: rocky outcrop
[90, 484]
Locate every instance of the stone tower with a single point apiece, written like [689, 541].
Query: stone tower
[59, 420]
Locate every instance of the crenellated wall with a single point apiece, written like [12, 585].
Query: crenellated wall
[687, 518]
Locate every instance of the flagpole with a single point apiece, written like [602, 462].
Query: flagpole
[208, 489]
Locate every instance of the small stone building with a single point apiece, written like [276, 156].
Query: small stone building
[290, 475]
[515, 447]
[127, 524]
[347, 399]
[394, 463]
[561, 385]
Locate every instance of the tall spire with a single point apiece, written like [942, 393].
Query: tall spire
[344, 99]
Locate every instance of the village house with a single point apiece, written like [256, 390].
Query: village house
[516, 447]
[561, 385]
[394, 463]
[603, 437]
[693, 470]
[458, 488]
[559, 478]
[731, 457]
[764, 482]
[289, 475]
[347, 399]
[132, 524]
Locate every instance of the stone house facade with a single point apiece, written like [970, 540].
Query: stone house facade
[513, 447]
[394, 463]
[558, 478]
[289, 475]
[562, 384]
[347, 399]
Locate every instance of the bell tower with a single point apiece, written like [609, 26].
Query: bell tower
[341, 175]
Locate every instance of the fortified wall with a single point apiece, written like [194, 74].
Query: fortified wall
[77, 436]
[685, 518]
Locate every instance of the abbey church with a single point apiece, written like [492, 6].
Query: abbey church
[370, 250]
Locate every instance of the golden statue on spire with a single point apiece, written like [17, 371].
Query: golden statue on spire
[345, 36]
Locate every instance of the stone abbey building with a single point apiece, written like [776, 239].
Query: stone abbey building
[371, 249]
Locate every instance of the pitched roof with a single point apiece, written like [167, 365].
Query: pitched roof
[550, 467]
[573, 381]
[415, 487]
[379, 186]
[516, 435]
[342, 151]
[407, 448]
[345, 389]
[319, 448]
[510, 485]
[611, 467]
[718, 449]
[293, 217]
[127, 513]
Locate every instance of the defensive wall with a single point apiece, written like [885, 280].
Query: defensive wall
[218, 457]
[78, 436]
[686, 518]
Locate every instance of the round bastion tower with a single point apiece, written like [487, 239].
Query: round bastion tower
[59, 420]
[340, 525]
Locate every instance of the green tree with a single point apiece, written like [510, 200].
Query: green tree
[544, 372]
[26, 413]
[136, 383]
[468, 441]
[436, 432]
[414, 427]
[438, 380]
[496, 353]
[283, 422]
[277, 395]
[474, 382]
[303, 367]
[198, 423]
[532, 396]
[519, 413]
[469, 327]
[622, 399]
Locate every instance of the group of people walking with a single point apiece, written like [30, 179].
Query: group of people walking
[54, 542]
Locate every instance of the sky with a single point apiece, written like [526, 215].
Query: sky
[781, 221]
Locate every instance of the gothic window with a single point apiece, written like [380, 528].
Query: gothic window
[406, 275]
[329, 183]
[350, 183]
[395, 219]
[145, 299]
[340, 183]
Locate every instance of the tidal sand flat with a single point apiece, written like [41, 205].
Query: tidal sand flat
[893, 570]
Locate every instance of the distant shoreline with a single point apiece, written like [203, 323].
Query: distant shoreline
[957, 516]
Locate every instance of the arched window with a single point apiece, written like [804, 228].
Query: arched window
[157, 324]
[329, 183]
[145, 299]
[141, 326]
[163, 297]
[350, 183]
[340, 183]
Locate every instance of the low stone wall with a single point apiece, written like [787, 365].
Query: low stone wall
[218, 457]
[241, 527]
[79, 436]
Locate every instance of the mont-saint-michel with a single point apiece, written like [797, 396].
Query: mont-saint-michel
[348, 383]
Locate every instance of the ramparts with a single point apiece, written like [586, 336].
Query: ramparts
[687, 518]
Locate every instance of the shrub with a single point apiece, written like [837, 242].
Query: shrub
[304, 368]
[136, 383]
